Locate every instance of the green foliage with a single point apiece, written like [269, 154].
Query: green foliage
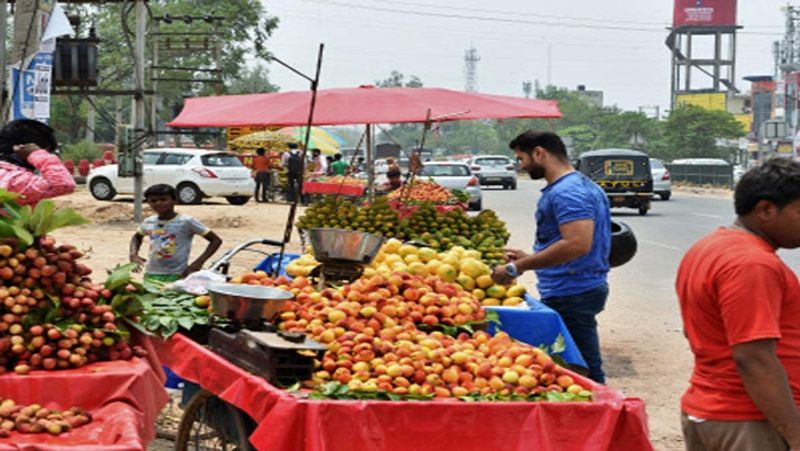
[252, 81]
[397, 80]
[694, 132]
[245, 32]
[82, 150]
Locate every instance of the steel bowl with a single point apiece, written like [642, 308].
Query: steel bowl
[336, 245]
[247, 302]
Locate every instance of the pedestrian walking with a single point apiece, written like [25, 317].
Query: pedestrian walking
[740, 305]
[261, 175]
[573, 240]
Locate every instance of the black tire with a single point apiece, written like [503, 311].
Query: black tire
[238, 200]
[665, 195]
[643, 211]
[476, 206]
[200, 429]
[102, 189]
[514, 185]
[623, 244]
[189, 193]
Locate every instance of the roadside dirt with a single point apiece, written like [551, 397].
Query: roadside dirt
[106, 238]
[634, 366]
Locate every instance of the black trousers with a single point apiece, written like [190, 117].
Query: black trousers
[262, 186]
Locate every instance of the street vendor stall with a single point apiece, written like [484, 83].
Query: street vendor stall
[73, 376]
[287, 422]
[123, 397]
[380, 338]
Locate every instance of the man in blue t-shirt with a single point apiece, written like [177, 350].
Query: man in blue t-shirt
[573, 240]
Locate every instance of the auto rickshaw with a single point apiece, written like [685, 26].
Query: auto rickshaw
[623, 174]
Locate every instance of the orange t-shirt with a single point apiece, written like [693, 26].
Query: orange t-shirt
[733, 288]
[261, 163]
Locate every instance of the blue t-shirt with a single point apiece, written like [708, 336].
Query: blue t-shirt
[571, 198]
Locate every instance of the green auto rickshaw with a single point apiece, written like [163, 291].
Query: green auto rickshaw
[623, 174]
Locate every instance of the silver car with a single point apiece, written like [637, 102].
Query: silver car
[495, 170]
[454, 175]
[662, 184]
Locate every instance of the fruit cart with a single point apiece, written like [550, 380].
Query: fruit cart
[338, 185]
[72, 375]
[123, 398]
[232, 401]
[610, 422]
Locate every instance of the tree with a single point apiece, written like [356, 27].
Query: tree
[252, 81]
[244, 32]
[694, 132]
[397, 80]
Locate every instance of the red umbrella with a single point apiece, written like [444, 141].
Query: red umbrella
[362, 105]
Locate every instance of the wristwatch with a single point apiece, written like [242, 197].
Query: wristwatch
[511, 270]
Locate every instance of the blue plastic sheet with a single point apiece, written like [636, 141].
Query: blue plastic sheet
[538, 325]
[270, 263]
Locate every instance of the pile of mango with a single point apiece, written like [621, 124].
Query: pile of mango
[440, 231]
[458, 265]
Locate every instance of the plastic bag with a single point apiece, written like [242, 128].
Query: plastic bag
[197, 282]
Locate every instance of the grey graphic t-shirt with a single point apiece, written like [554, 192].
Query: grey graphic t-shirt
[170, 243]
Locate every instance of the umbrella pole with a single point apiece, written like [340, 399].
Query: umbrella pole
[418, 154]
[287, 233]
[370, 167]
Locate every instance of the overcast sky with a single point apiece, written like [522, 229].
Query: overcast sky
[614, 46]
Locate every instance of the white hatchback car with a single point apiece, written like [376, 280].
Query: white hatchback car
[194, 173]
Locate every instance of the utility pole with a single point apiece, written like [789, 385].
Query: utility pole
[138, 113]
[90, 120]
[154, 73]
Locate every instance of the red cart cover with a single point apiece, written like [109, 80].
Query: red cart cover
[313, 187]
[124, 398]
[286, 422]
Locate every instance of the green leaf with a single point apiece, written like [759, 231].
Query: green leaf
[42, 217]
[25, 237]
[7, 197]
[186, 323]
[120, 276]
[64, 217]
[559, 345]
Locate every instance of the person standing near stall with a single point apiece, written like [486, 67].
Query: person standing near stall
[339, 166]
[261, 175]
[293, 164]
[740, 305]
[573, 241]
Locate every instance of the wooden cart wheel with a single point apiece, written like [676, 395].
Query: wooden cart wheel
[203, 426]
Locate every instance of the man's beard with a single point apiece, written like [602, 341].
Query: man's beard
[537, 172]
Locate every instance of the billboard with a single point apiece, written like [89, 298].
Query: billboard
[701, 13]
[712, 101]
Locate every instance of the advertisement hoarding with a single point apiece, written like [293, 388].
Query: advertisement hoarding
[702, 13]
[712, 101]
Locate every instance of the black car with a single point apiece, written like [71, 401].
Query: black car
[623, 174]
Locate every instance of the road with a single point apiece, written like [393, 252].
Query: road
[643, 346]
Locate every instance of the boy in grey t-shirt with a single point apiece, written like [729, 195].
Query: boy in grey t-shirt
[170, 236]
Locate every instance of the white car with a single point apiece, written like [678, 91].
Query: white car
[452, 175]
[494, 170]
[194, 173]
[662, 184]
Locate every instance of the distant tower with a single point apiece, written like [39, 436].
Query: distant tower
[703, 45]
[471, 60]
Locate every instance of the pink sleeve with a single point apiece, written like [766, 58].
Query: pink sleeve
[54, 180]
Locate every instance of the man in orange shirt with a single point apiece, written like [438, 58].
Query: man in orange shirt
[740, 306]
[261, 170]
